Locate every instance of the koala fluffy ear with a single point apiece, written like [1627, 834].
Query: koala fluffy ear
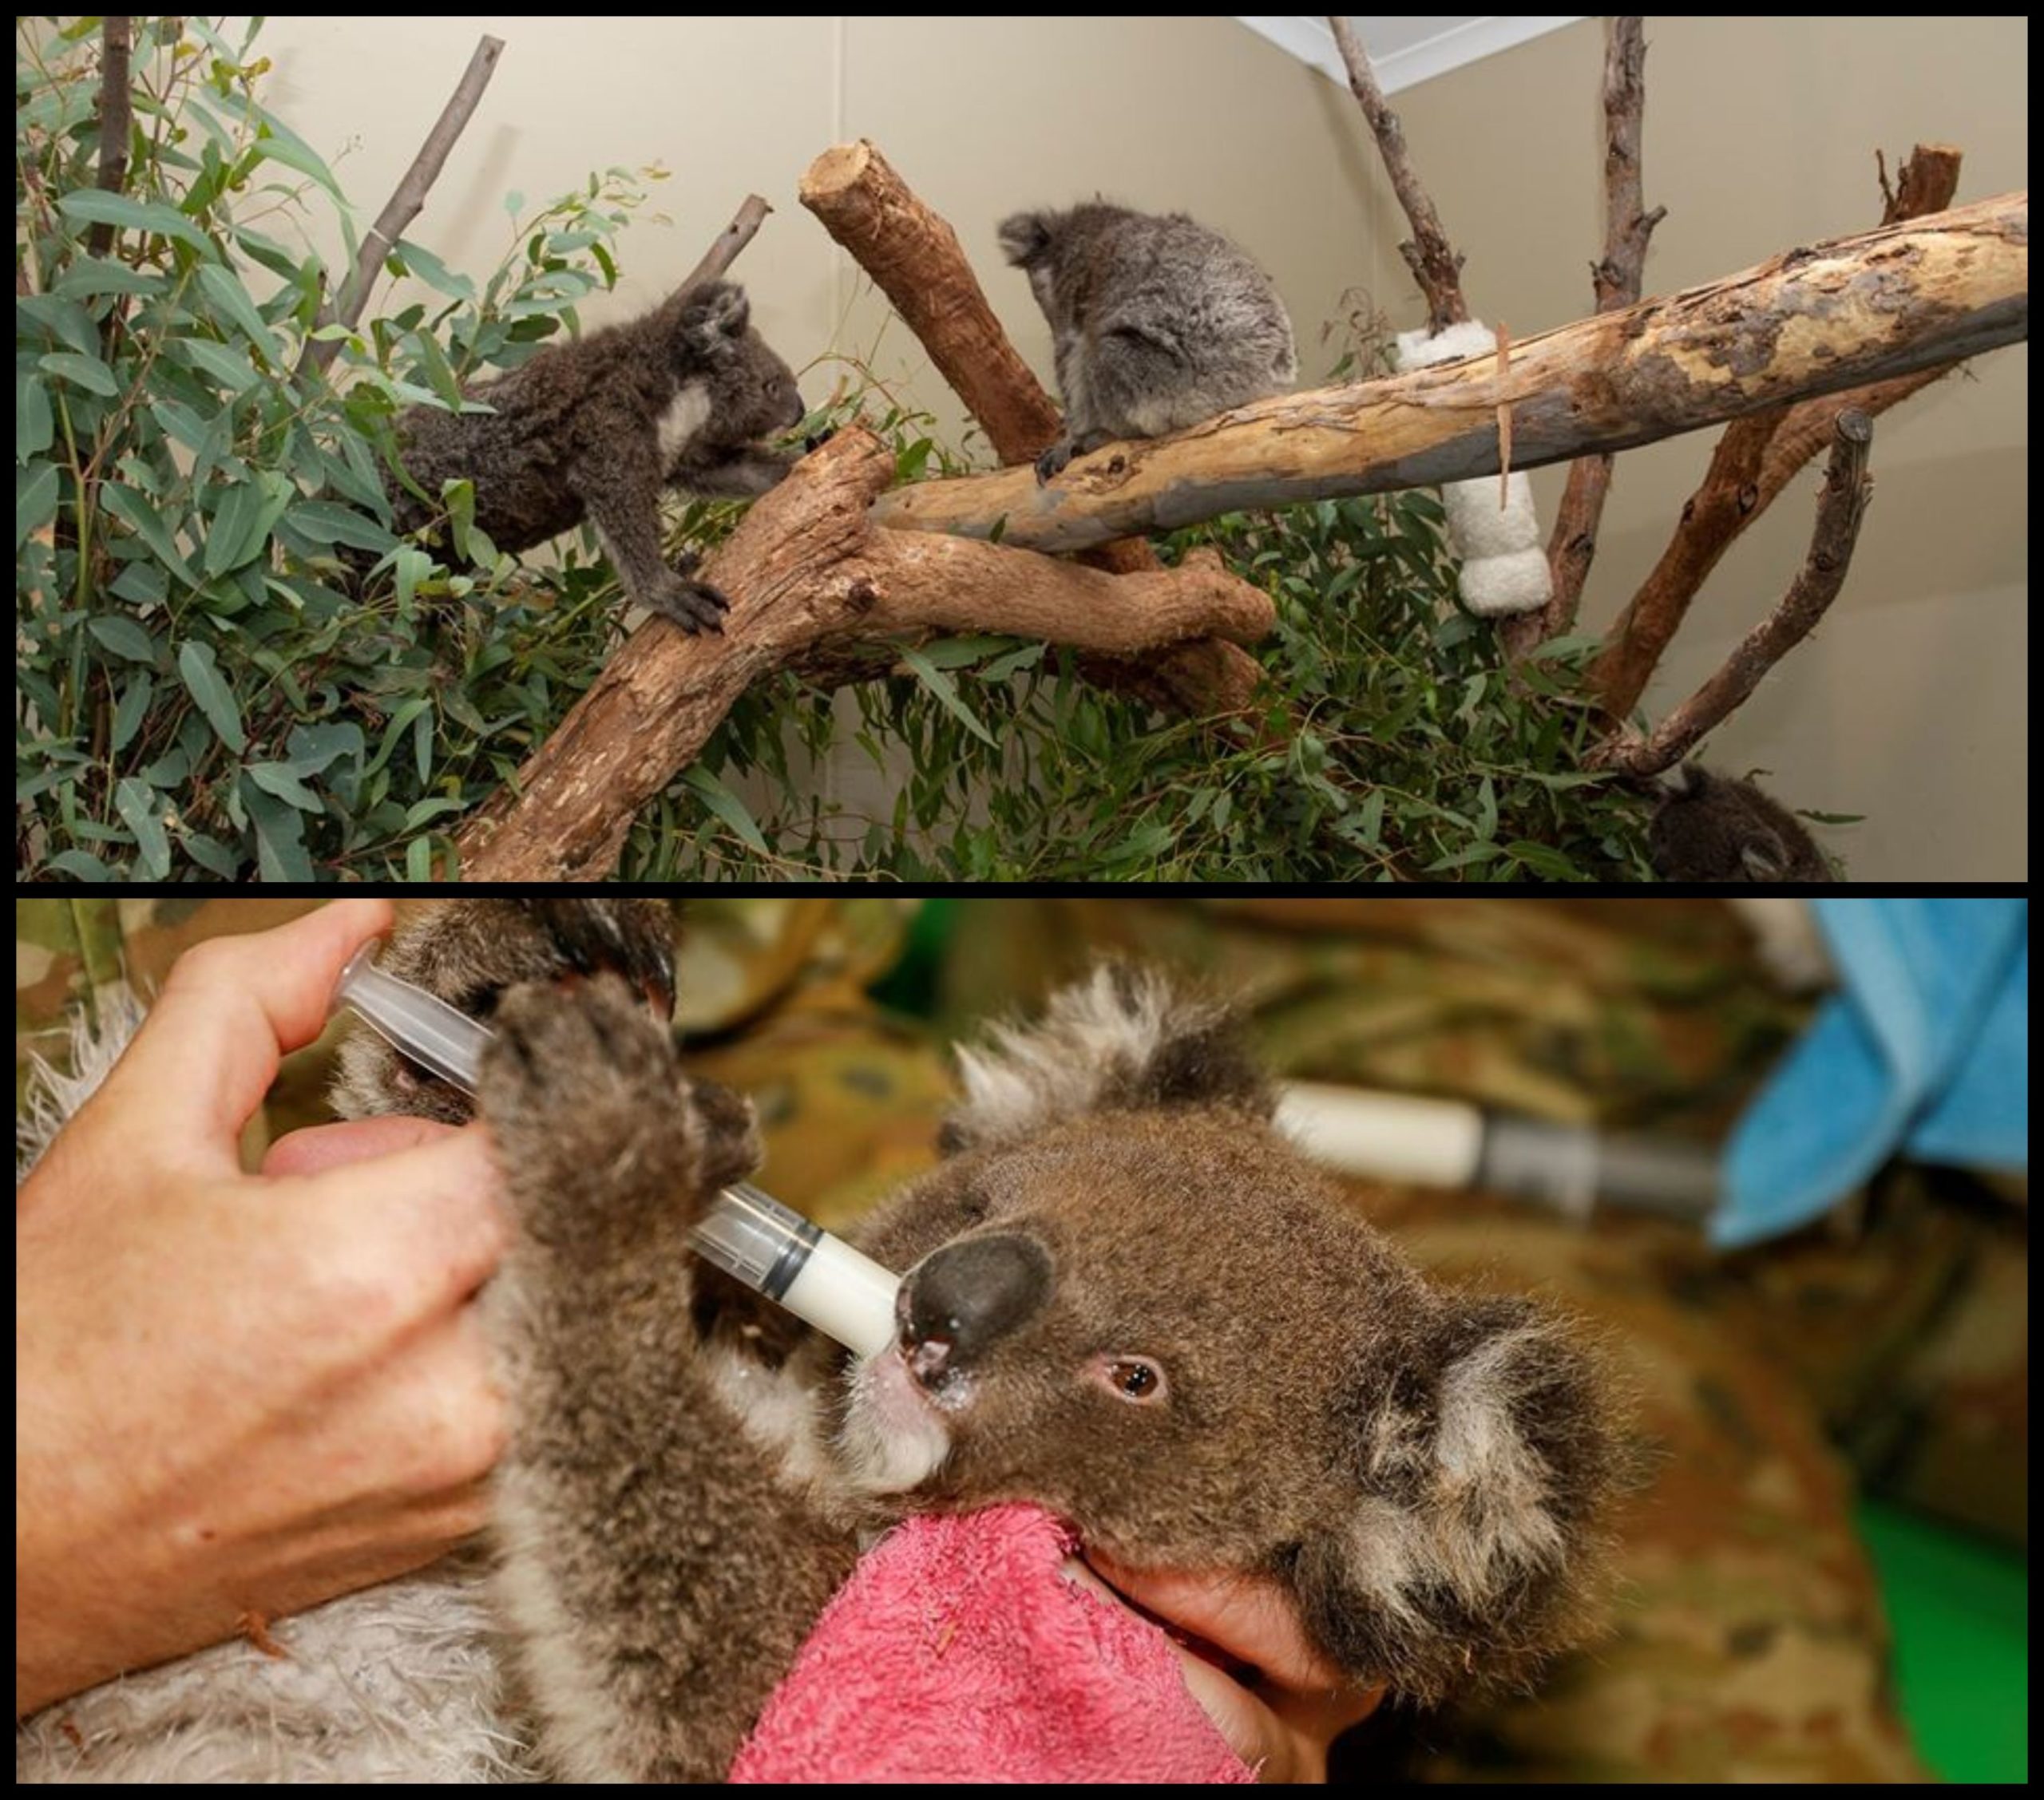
[1763, 856]
[1123, 1038]
[1025, 238]
[1487, 1459]
[713, 316]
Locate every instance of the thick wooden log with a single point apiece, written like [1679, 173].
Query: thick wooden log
[804, 569]
[1873, 307]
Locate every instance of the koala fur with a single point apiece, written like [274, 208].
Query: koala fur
[1709, 827]
[1124, 1298]
[1157, 323]
[596, 428]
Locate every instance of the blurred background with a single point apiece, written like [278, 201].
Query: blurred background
[1827, 1578]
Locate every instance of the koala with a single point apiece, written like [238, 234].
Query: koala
[1157, 323]
[596, 428]
[1124, 1298]
[1709, 827]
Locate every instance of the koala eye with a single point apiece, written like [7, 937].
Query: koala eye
[1136, 1380]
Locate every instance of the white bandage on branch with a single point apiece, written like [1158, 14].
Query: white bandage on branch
[1504, 569]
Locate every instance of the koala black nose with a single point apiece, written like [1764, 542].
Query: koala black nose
[966, 1297]
[800, 412]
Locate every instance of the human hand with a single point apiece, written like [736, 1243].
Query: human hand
[1280, 1703]
[237, 1393]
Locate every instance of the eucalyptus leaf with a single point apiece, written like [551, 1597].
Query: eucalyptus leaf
[123, 636]
[199, 670]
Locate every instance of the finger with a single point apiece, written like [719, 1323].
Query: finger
[207, 1051]
[1248, 1617]
[402, 1237]
[333, 1146]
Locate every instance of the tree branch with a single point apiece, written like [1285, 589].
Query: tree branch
[115, 121]
[1839, 510]
[1882, 304]
[1617, 278]
[807, 574]
[1747, 472]
[1428, 255]
[718, 258]
[404, 203]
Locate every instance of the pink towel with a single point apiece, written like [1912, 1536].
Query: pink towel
[957, 1652]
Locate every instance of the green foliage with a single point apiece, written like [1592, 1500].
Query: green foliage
[228, 668]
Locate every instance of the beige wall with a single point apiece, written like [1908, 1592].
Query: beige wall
[1910, 705]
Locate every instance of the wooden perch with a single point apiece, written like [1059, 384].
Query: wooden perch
[1846, 490]
[404, 203]
[1753, 462]
[1434, 265]
[1617, 278]
[914, 259]
[1871, 307]
[805, 569]
[729, 241]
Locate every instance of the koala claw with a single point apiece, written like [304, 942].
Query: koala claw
[1052, 461]
[695, 605]
[817, 440]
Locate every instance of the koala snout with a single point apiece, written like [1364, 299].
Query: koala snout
[963, 1299]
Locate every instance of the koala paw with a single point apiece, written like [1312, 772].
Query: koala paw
[695, 605]
[1052, 461]
[468, 951]
[608, 1150]
[817, 440]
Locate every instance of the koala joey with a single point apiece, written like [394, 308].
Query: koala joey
[1709, 827]
[1125, 1298]
[598, 428]
[1157, 323]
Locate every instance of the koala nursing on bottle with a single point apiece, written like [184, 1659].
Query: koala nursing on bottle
[1124, 1298]
[1709, 827]
[599, 428]
[1157, 321]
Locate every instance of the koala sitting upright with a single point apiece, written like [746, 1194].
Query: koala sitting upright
[596, 428]
[1156, 321]
[1124, 1298]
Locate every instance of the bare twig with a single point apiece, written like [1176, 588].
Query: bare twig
[1432, 259]
[1839, 510]
[403, 206]
[1617, 277]
[116, 122]
[1873, 307]
[730, 240]
[1752, 464]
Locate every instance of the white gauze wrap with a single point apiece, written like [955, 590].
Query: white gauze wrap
[1503, 567]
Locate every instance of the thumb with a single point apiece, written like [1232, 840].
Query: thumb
[231, 1007]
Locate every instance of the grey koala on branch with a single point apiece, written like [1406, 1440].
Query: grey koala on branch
[1157, 321]
[1709, 827]
[597, 428]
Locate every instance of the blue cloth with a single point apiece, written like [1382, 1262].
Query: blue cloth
[1924, 1048]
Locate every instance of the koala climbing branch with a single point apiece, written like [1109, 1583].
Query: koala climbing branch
[806, 571]
[1846, 490]
[1882, 304]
